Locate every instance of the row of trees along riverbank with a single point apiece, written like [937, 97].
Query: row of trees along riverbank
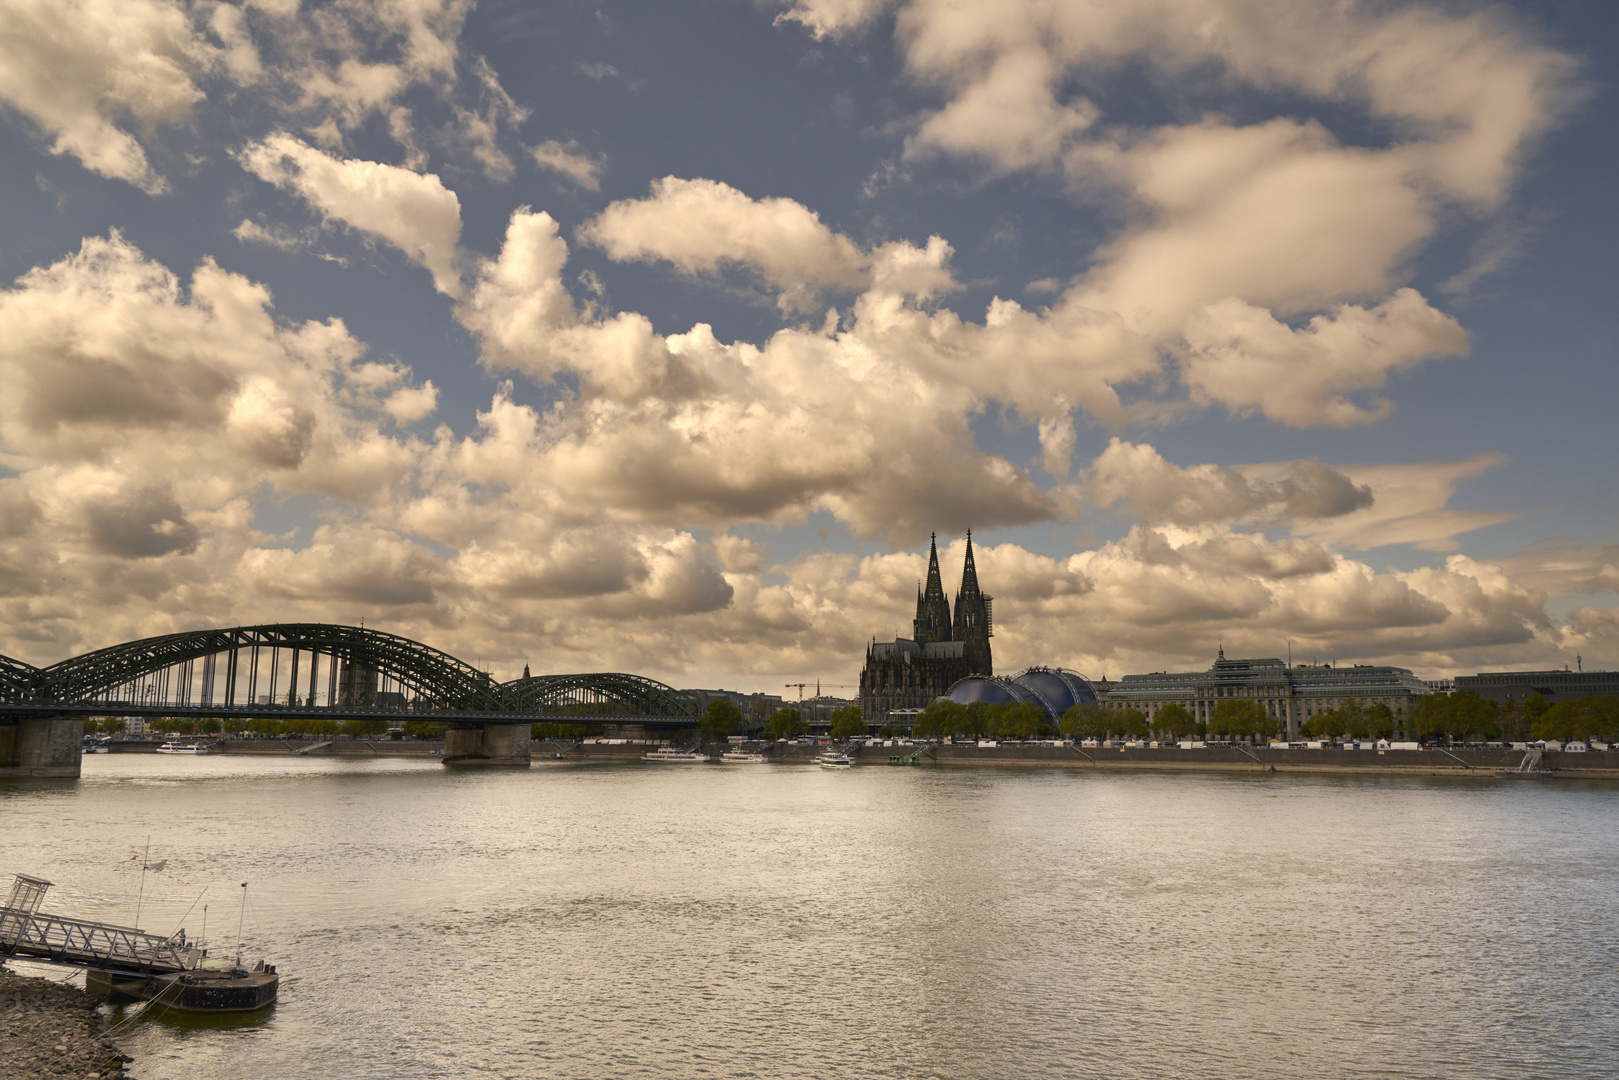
[1459, 717]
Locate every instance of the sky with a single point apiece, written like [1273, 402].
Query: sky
[659, 336]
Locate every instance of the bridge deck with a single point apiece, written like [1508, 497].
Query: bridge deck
[80, 943]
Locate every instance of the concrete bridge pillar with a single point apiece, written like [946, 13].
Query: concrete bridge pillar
[41, 746]
[485, 745]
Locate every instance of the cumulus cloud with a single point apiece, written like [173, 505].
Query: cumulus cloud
[79, 68]
[1236, 227]
[1156, 491]
[686, 427]
[702, 225]
[1242, 357]
[413, 212]
[141, 523]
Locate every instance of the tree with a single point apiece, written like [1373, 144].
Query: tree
[1380, 720]
[235, 725]
[785, 723]
[263, 725]
[208, 726]
[941, 719]
[848, 721]
[1087, 721]
[323, 725]
[1130, 723]
[363, 727]
[720, 719]
[426, 729]
[1320, 726]
[1019, 719]
[1240, 718]
[1594, 716]
[1173, 720]
[1432, 716]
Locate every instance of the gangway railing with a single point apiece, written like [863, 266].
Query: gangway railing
[58, 940]
[1531, 759]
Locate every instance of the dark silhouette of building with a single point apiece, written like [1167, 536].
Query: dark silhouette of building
[907, 673]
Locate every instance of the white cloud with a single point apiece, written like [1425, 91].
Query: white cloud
[1243, 358]
[79, 68]
[833, 18]
[684, 427]
[1158, 492]
[571, 160]
[1409, 507]
[415, 213]
[1250, 223]
[251, 232]
[703, 225]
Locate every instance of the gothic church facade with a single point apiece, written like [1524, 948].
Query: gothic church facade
[944, 646]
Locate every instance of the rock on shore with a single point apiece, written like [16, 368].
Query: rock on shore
[47, 1029]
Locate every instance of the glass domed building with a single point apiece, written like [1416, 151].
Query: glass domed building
[1056, 690]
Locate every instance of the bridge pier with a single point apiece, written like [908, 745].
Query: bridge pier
[32, 746]
[486, 745]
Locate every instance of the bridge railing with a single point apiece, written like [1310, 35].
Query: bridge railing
[88, 944]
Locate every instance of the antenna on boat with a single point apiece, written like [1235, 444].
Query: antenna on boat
[204, 940]
[239, 921]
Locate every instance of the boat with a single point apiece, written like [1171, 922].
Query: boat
[834, 760]
[96, 746]
[675, 755]
[182, 748]
[744, 757]
[169, 972]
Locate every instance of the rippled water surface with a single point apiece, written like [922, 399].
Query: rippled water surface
[734, 921]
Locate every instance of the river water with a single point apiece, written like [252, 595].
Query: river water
[590, 921]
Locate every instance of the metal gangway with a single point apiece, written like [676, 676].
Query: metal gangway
[1531, 760]
[25, 931]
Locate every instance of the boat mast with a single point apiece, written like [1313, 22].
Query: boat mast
[240, 919]
[142, 894]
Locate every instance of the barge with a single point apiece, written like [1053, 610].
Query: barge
[125, 961]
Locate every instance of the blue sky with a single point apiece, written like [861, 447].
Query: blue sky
[657, 337]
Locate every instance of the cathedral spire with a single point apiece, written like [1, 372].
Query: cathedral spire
[932, 607]
[974, 623]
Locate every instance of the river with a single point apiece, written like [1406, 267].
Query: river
[591, 921]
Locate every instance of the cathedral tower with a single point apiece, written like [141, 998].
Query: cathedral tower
[932, 609]
[974, 623]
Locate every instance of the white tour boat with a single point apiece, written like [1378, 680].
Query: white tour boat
[181, 748]
[674, 755]
[744, 757]
[834, 760]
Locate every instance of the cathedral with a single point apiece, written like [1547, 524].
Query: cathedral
[907, 673]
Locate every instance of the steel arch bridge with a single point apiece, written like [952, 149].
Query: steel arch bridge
[322, 668]
[267, 657]
[16, 679]
[605, 692]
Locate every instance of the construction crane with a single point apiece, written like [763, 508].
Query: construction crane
[818, 685]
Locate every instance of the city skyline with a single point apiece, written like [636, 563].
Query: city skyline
[658, 337]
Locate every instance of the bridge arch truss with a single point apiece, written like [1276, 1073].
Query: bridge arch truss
[307, 664]
[600, 693]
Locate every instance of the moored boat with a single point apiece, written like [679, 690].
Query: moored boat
[182, 748]
[744, 757]
[674, 755]
[170, 972]
[834, 760]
